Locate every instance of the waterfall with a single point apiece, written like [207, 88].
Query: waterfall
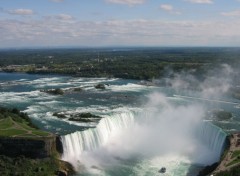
[209, 135]
[213, 137]
[74, 144]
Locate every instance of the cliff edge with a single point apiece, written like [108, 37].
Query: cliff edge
[26, 150]
[230, 163]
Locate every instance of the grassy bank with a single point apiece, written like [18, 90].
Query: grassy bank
[14, 123]
[27, 151]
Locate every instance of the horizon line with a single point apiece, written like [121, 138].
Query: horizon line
[110, 47]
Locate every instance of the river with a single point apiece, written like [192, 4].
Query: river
[143, 128]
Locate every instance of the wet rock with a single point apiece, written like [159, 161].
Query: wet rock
[100, 86]
[61, 173]
[162, 170]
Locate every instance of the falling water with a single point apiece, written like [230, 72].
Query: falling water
[76, 143]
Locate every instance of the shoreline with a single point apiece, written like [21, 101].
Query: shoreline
[231, 159]
[28, 150]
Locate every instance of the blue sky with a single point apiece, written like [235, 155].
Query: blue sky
[93, 23]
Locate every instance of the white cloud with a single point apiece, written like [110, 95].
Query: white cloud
[200, 1]
[60, 17]
[57, 31]
[128, 2]
[166, 7]
[169, 8]
[64, 17]
[235, 13]
[21, 12]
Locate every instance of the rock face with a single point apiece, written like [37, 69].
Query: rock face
[208, 169]
[61, 173]
[59, 146]
[32, 148]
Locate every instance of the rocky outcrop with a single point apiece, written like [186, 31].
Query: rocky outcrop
[208, 169]
[61, 173]
[230, 163]
[28, 147]
[57, 91]
[78, 117]
[100, 86]
[59, 146]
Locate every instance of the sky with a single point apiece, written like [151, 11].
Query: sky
[106, 23]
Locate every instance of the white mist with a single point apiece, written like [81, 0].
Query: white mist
[162, 133]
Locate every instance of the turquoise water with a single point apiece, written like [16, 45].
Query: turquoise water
[23, 91]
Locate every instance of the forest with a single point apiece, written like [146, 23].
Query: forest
[129, 63]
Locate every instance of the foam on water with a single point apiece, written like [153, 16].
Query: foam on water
[176, 165]
[128, 87]
[35, 109]
[23, 80]
[57, 84]
[53, 102]
[19, 97]
[237, 107]
[91, 81]
[23, 97]
[44, 80]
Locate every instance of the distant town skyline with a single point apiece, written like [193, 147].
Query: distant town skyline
[101, 23]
